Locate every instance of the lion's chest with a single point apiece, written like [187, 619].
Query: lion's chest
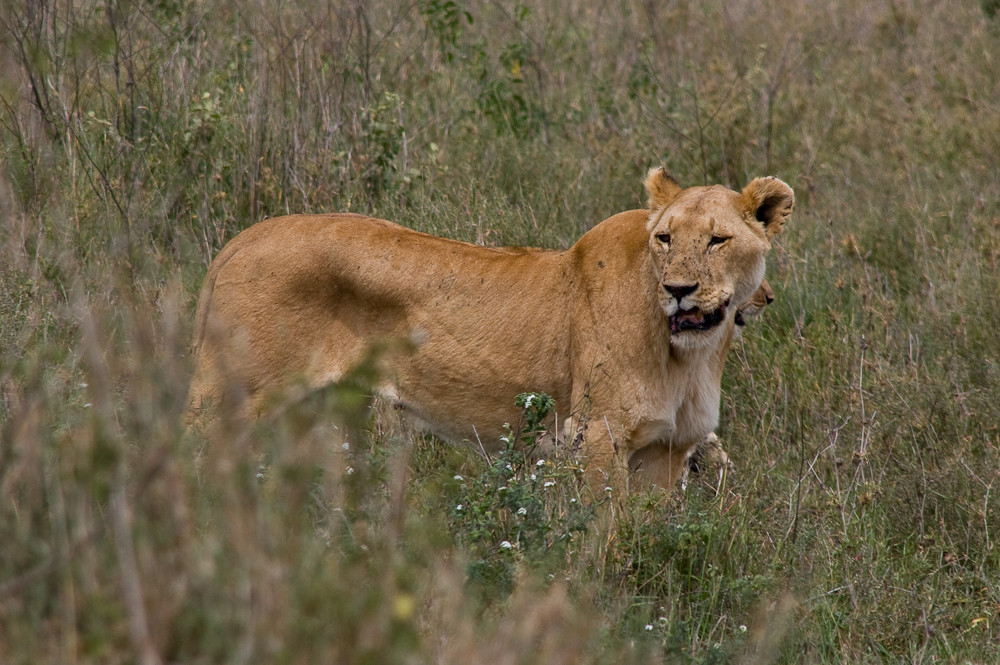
[681, 415]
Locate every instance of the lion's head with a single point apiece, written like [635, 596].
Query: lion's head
[761, 298]
[708, 246]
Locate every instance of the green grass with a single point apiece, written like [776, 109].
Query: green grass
[861, 411]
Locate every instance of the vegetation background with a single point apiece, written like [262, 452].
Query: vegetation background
[861, 411]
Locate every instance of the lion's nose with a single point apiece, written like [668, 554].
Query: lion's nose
[769, 297]
[678, 291]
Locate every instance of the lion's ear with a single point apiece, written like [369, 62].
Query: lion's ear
[661, 188]
[770, 202]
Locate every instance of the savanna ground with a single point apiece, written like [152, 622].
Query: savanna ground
[860, 524]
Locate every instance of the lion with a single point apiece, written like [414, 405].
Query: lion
[709, 454]
[627, 330]
[760, 299]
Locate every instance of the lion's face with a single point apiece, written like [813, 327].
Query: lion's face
[760, 299]
[708, 246]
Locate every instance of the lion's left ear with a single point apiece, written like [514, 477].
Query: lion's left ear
[661, 189]
[770, 202]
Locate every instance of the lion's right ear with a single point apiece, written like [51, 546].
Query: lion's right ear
[661, 188]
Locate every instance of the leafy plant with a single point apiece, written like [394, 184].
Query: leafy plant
[520, 509]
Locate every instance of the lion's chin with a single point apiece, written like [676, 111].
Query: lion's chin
[694, 320]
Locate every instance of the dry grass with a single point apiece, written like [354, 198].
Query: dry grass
[861, 410]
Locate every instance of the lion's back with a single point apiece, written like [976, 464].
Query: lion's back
[308, 294]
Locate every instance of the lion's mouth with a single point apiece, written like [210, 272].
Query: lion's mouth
[695, 319]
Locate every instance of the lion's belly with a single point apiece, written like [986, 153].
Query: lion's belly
[459, 395]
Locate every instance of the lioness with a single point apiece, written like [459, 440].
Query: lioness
[627, 329]
[709, 452]
[760, 299]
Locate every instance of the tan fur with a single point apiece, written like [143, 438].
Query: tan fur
[301, 298]
[760, 299]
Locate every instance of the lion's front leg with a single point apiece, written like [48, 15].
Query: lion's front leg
[605, 467]
[600, 445]
[659, 464]
[600, 426]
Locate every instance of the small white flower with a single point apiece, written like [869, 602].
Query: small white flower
[260, 476]
[505, 439]
[549, 483]
[522, 511]
[458, 507]
[502, 489]
[350, 470]
[649, 626]
[508, 467]
[87, 405]
[505, 545]
[743, 628]
[540, 462]
[572, 500]
[346, 446]
[83, 384]
[607, 489]
[534, 477]
[528, 400]
[459, 478]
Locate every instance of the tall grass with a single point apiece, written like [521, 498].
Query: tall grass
[860, 523]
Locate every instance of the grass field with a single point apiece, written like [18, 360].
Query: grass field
[862, 410]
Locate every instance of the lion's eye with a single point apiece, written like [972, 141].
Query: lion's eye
[717, 240]
[663, 237]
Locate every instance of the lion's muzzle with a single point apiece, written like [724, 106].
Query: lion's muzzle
[696, 319]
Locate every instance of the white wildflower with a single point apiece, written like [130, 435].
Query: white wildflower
[540, 462]
[607, 489]
[350, 470]
[346, 446]
[649, 626]
[528, 400]
[522, 511]
[743, 628]
[459, 478]
[505, 545]
[549, 483]
[458, 508]
[534, 477]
